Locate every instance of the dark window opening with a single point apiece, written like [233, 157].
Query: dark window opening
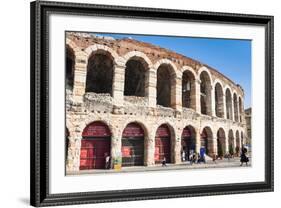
[164, 86]
[240, 109]
[135, 79]
[100, 74]
[205, 90]
[70, 64]
[219, 101]
[203, 104]
[188, 90]
[235, 107]
[228, 104]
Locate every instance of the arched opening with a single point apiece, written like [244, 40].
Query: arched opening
[221, 143]
[238, 143]
[70, 68]
[188, 142]
[135, 77]
[205, 96]
[100, 73]
[240, 109]
[219, 101]
[66, 143]
[231, 144]
[188, 90]
[166, 84]
[243, 142]
[235, 102]
[95, 146]
[207, 141]
[133, 145]
[162, 144]
[228, 98]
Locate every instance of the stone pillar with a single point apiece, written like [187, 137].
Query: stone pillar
[226, 145]
[234, 146]
[215, 146]
[238, 110]
[224, 106]
[177, 149]
[150, 87]
[118, 84]
[240, 142]
[213, 102]
[80, 74]
[198, 140]
[149, 150]
[193, 92]
[176, 93]
[197, 96]
[232, 108]
[73, 154]
[116, 151]
[243, 121]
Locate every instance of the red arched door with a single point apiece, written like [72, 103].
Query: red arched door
[95, 146]
[132, 145]
[188, 142]
[162, 144]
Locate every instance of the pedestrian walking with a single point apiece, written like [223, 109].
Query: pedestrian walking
[243, 157]
[183, 156]
[191, 158]
[190, 154]
[202, 154]
[107, 161]
[194, 157]
[164, 162]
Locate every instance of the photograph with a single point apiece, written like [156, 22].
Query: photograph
[138, 102]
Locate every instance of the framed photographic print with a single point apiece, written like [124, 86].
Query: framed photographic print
[131, 103]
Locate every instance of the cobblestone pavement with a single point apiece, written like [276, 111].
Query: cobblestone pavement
[224, 163]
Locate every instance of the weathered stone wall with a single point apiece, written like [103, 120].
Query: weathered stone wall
[118, 110]
[78, 119]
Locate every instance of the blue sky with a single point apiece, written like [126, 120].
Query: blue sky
[230, 57]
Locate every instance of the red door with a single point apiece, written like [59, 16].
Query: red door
[93, 151]
[95, 146]
[187, 140]
[162, 144]
[133, 145]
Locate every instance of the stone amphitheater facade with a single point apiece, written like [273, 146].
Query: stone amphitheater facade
[197, 97]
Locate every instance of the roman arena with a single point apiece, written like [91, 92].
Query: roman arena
[139, 103]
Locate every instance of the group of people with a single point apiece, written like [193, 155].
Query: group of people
[193, 157]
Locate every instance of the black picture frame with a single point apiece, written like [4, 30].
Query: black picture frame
[39, 187]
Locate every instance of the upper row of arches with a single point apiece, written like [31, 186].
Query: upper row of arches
[139, 70]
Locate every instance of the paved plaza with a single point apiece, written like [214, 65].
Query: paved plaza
[224, 163]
